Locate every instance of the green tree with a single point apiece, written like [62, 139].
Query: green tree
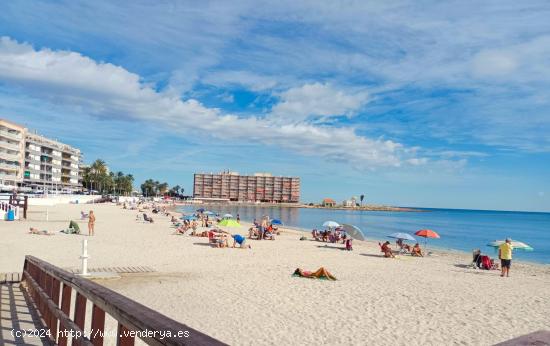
[149, 187]
[162, 188]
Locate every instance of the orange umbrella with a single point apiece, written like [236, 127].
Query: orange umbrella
[427, 233]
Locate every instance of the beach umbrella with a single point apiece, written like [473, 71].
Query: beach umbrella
[427, 233]
[331, 224]
[200, 210]
[227, 216]
[276, 222]
[401, 235]
[517, 245]
[190, 217]
[353, 232]
[208, 212]
[229, 223]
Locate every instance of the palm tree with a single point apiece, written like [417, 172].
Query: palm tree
[175, 190]
[99, 173]
[163, 188]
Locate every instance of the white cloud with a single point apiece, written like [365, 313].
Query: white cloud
[107, 90]
[317, 100]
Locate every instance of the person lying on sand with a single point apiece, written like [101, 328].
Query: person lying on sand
[417, 251]
[320, 273]
[33, 230]
[386, 249]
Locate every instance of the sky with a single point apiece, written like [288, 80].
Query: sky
[411, 103]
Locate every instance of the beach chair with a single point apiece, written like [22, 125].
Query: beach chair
[212, 238]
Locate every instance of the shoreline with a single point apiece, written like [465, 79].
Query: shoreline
[438, 249]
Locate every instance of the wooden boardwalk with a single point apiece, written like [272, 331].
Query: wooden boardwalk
[18, 316]
[16, 277]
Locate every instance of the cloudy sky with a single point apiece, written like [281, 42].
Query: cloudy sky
[413, 103]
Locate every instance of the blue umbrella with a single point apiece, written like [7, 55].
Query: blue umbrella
[401, 235]
[276, 222]
[190, 217]
[208, 212]
[200, 210]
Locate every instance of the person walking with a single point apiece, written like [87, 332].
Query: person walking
[505, 255]
[91, 223]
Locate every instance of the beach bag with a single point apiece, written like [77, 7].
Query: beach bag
[486, 262]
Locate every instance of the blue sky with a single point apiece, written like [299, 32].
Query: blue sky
[436, 104]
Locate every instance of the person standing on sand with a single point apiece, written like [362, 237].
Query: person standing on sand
[505, 255]
[91, 223]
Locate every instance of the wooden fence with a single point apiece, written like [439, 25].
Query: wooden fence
[51, 288]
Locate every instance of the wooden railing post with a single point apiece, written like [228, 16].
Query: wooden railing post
[56, 286]
[123, 337]
[79, 312]
[98, 326]
[66, 308]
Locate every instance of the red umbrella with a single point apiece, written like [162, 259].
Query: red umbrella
[427, 233]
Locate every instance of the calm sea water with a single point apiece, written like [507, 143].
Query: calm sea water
[462, 230]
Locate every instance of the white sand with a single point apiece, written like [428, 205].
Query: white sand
[249, 296]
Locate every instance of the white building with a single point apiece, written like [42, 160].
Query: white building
[50, 164]
[12, 151]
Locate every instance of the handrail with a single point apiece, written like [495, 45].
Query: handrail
[44, 281]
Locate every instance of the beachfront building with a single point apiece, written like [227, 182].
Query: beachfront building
[350, 203]
[260, 187]
[328, 202]
[12, 152]
[50, 165]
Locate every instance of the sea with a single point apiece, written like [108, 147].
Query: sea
[460, 229]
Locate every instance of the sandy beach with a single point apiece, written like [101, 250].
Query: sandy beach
[246, 297]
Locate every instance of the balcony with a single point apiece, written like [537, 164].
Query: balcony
[11, 146]
[9, 166]
[4, 175]
[11, 135]
[9, 157]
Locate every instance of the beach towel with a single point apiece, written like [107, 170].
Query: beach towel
[69, 231]
[320, 273]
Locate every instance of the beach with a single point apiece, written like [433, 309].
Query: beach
[248, 296]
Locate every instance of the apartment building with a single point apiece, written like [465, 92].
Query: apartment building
[260, 187]
[12, 152]
[50, 164]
